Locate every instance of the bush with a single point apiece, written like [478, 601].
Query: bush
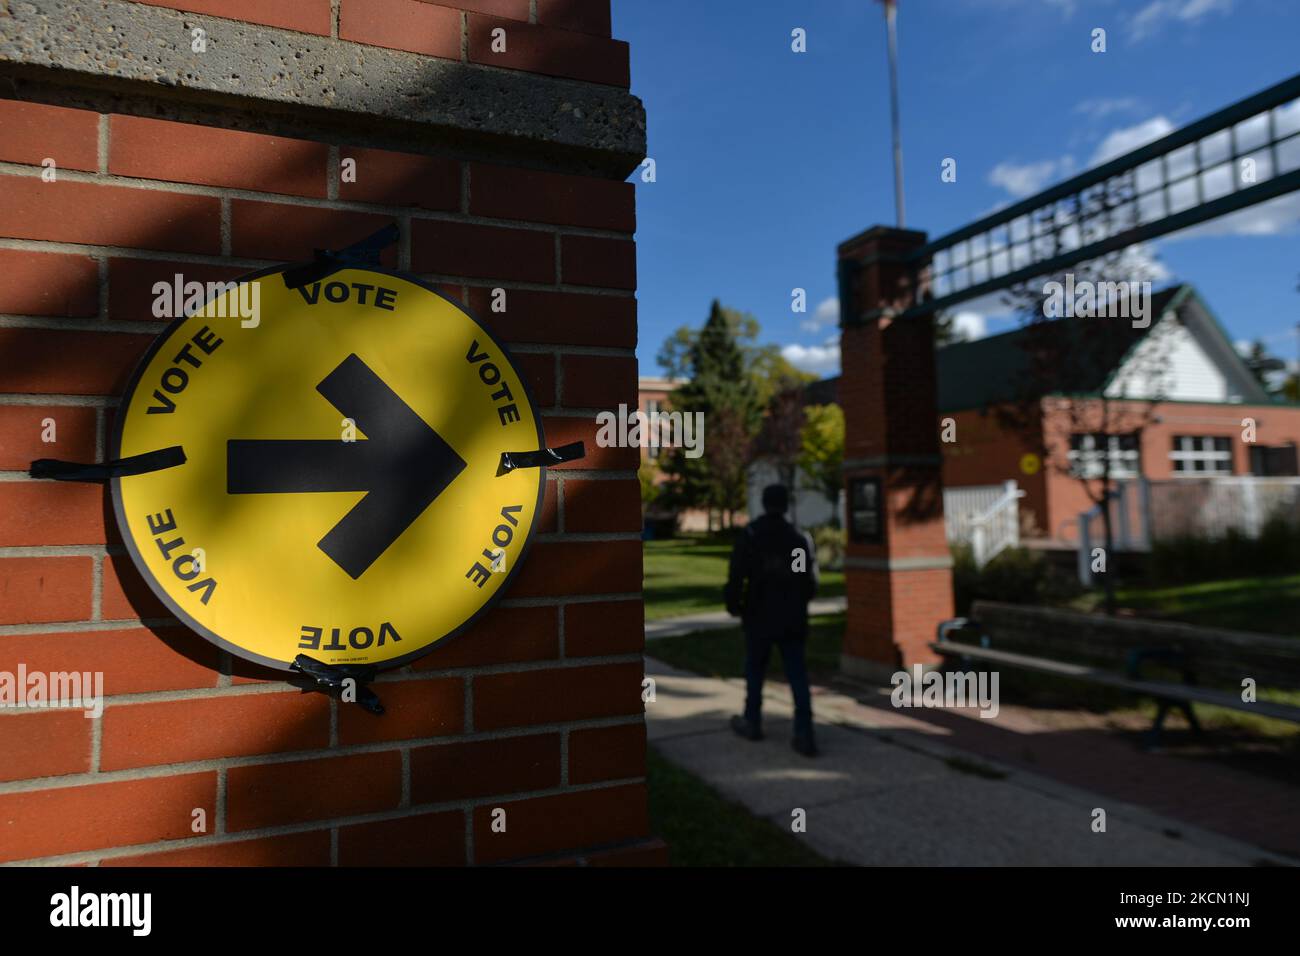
[830, 542]
[1191, 558]
[1015, 576]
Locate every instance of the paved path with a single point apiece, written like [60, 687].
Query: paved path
[716, 620]
[889, 789]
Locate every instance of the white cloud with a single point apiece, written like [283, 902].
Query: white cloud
[1025, 179]
[1102, 107]
[1140, 264]
[1288, 335]
[1067, 7]
[970, 325]
[1022, 180]
[1159, 13]
[1276, 217]
[826, 315]
[1130, 138]
[822, 359]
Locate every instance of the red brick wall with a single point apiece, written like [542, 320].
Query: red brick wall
[900, 588]
[986, 453]
[1275, 425]
[537, 711]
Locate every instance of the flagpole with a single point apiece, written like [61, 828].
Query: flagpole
[891, 16]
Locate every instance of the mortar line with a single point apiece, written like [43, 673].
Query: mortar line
[230, 193]
[111, 701]
[223, 786]
[102, 133]
[165, 771]
[101, 267]
[334, 172]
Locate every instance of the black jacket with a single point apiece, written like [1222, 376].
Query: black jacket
[763, 587]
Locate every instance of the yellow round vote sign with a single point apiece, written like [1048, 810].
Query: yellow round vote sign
[342, 493]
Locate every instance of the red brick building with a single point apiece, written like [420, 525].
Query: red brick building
[1024, 405]
[141, 139]
[1196, 427]
[1193, 430]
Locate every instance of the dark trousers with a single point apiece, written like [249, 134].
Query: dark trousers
[758, 648]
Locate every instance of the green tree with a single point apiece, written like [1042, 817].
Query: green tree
[769, 370]
[822, 455]
[772, 374]
[718, 385]
[1265, 366]
[675, 354]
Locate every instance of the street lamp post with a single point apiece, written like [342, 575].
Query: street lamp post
[891, 18]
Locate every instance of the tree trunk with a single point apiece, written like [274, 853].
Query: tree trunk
[1108, 541]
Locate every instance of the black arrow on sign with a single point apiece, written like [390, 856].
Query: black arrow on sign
[404, 465]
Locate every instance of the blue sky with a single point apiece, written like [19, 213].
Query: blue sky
[767, 159]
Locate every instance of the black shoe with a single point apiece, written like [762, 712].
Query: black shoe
[746, 729]
[804, 744]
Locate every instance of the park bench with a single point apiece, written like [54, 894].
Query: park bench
[1116, 651]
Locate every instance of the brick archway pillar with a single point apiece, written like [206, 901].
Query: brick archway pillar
[898, 568]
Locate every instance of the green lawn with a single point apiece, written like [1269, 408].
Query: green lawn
[1266, 605]
[703, 828]
[721, 653]
[684, 575]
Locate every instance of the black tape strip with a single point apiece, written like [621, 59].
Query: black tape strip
[135, 465]
[510, 460]
[330, 677]
[327, 262]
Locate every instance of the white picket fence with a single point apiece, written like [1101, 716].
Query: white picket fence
[1145, 511]
[1211, 508]
[987, 517]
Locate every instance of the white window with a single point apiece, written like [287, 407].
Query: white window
[1086, 455]
[1197, 455]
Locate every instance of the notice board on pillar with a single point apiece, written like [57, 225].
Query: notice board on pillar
[338, 481]
[866, 518]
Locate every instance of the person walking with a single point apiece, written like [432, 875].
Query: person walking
[773, 576]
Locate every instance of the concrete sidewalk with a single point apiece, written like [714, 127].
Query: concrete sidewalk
[885, 791]
[716, 620]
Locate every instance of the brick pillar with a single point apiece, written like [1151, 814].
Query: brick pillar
[899, 578]
[503, 171]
